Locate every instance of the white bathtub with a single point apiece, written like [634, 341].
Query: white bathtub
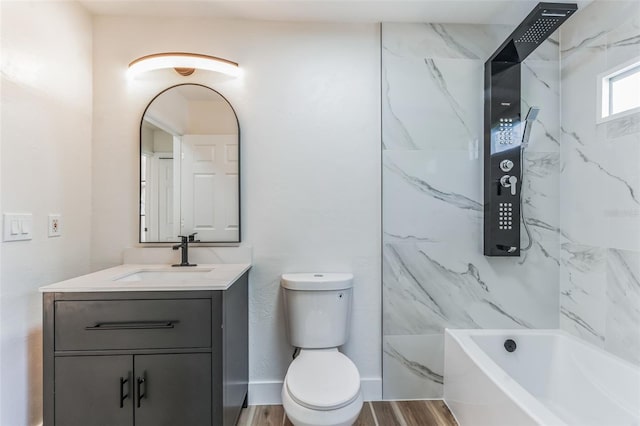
[552, 378]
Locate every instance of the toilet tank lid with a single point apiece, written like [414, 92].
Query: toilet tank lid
[317, 281]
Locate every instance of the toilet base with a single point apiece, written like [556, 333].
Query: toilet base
[303, 416]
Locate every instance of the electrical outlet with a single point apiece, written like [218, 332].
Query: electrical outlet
[55, 225]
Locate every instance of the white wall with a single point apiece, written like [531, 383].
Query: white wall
[45, 168]
[170, 109]
[162, 141]
[309, 111]
[211, 118]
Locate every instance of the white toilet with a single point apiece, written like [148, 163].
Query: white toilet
[322, 385]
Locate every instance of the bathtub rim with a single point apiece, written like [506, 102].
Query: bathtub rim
[505, 383]
[521, 397]
[538, 331]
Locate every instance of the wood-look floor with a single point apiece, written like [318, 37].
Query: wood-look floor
[378, 413]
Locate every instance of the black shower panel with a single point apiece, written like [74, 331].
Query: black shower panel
[502, 161]
[503, 127]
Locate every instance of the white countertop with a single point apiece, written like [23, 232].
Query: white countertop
[207, 277]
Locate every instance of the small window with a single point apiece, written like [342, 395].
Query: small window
[620, 90]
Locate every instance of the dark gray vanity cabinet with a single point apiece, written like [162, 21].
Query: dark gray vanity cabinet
[146, 358]
[84, 383]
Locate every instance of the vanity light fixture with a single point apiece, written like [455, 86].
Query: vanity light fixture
[184, 63]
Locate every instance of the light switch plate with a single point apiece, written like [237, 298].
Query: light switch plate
[55, 225]
[17, 226]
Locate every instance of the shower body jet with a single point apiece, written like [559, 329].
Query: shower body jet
[505, 135]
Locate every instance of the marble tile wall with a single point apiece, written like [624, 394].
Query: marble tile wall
[599, 185]
[434, 273]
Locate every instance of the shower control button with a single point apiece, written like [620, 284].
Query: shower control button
[506, 165]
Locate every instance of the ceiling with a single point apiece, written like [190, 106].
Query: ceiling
[356, 11]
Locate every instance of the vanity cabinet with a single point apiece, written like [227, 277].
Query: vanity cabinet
[145, 358]
[147, 390]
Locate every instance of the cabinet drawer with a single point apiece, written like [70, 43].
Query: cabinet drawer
[132, 324]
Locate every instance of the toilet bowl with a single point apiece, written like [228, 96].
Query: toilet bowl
[322, 385]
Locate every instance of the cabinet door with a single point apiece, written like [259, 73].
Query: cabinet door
[172, 389]
[93, 390]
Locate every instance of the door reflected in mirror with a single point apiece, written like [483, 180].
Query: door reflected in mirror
[189, 167]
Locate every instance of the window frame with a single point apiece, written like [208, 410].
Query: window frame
[604, 84]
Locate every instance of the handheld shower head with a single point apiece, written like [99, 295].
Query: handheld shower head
[528, 123]
[532, 114]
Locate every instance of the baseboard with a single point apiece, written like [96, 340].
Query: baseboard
[371, 388]
[268, 393]
[265, 393]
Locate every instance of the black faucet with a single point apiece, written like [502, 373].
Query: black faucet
[184, 245]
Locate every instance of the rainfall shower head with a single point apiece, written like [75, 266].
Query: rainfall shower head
[543, 20]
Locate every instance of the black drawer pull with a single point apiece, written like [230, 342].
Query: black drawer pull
[137, 325]
[139, 382]
[123, 396]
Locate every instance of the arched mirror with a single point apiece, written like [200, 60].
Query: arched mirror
[189, 167]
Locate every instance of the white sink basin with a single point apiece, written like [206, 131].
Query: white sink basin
[175, 274]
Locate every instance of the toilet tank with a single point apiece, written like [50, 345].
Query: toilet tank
[317, 308]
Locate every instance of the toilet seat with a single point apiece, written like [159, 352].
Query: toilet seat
[323, 379]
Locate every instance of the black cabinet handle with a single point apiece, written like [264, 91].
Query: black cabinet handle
[139, 382]
[123, 396]
[134, 325]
